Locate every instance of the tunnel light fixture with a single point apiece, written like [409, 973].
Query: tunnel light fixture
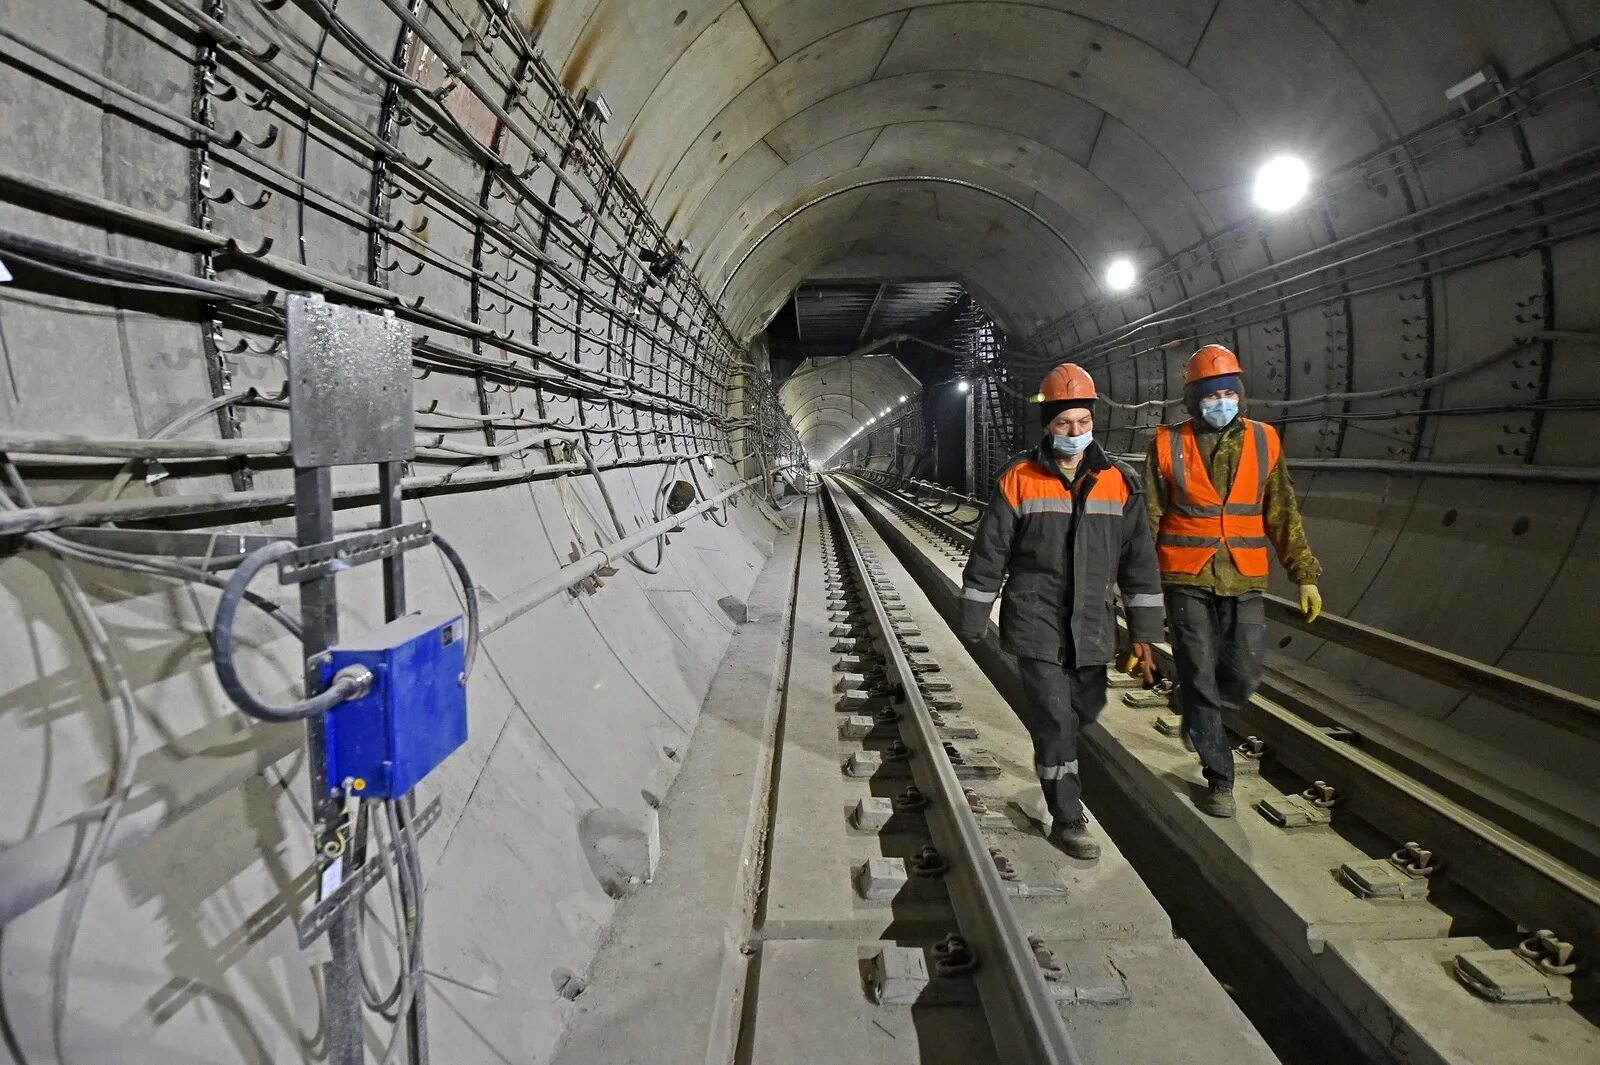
[903, 399]
[1282, 182]
[1121, 274]
[963, 386]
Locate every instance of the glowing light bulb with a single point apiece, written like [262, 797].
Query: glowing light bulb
[1120, 275]
[1282, 182]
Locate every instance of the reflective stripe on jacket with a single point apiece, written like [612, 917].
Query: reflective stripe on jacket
[1198, 522]
[1023, 540]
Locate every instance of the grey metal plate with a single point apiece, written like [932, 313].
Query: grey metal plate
[350, 384]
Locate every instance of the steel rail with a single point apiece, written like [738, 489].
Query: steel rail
[1521, 880]
[1025, 1022]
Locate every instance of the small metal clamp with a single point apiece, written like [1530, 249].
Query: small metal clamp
[911, 800]
[928, 862]
[1413, 860]
[1046, 959]
[1552, 956]
[952, 956]
[1321, 793]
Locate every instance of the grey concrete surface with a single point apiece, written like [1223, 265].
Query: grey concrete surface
[667, 983]
[1405, 989]
[802, 982]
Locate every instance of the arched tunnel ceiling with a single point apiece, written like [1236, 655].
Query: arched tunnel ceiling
[829, 399]
[1131, 128]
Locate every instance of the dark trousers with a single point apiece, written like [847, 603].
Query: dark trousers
[1058, 701]
[1218, 643]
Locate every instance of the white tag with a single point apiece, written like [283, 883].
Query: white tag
[332, 877]
[5, 275]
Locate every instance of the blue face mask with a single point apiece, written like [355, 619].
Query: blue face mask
[1219, 412]
[1067, 446]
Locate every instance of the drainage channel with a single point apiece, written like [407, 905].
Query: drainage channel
[1414, 966]
[912, 909]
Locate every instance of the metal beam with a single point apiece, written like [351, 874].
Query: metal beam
[872, 312]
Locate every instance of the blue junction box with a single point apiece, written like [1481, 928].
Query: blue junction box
[414, 716]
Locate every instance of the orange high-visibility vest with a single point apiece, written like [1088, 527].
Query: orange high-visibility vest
[1033, 488]
[1197, 522]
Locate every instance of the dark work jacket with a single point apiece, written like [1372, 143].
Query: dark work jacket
[1024, 539]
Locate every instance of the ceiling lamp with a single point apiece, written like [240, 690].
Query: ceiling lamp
[1121, 274]
[1281, 183]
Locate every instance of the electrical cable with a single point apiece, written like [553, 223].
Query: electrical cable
[469, 593]
[348, 684]
[616, 519]
[124, 737]
[411, 889]
[177, 424]
[378, 1002]
[185, 292]
[721, 522]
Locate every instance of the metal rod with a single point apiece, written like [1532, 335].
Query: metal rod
[29, 443]
[519, 603]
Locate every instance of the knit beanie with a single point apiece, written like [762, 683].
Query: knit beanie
[1050, 408]
[1223, 382]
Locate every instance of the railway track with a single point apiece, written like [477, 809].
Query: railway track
[909, 894]
[1386, 883]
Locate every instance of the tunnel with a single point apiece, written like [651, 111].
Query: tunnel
[492, 494]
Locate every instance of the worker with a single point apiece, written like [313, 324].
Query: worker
[1066, 522]
[1219, 493]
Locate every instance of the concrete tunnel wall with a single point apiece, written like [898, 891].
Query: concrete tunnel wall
[1022, 146]
[1121, 128]
[579, 711]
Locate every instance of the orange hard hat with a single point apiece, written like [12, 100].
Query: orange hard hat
[1069, 381]
[1213, 360]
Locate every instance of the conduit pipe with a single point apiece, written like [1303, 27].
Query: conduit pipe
[519, 603]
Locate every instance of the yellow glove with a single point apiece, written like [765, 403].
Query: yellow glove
[1310, 602]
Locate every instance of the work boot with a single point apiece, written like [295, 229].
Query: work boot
[1219, 803]
[1073, 837]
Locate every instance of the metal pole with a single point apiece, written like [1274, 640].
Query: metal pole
[319, 619]
[391, 477]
